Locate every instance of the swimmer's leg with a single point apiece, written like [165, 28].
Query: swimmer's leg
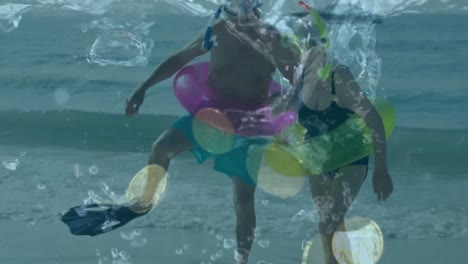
[244, 204]
[333, 199]
[168, 145]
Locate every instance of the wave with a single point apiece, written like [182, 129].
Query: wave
[409, 149]
[82, 130]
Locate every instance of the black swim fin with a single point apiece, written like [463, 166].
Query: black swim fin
[96, 219]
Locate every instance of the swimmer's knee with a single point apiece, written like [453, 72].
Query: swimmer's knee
[170, 144]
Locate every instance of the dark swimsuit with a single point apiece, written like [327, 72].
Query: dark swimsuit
[318, 123]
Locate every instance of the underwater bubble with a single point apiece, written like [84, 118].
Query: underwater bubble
[257, 232]
[139, 242]
[93, 198]
[23, 154]
[357, 124]
[107, 225]
[213, 257]
[240, 254]
[265, 202]
[264, 243]
[137, 232]
[103, 260]
[367, 139]
[127, 235]
[124, 255]
[11, 164]
[179, 251]
[41, 186]
[10, 16]
[93, 169]
[300, 216]
[76, 170]
[304, 244]
[216, 255]
[107, 24]
[324, 204]
[229, 243]
[120, 48]
[219, 236]
[312, 216]
[104, 187]
[61, 96]
[115, 253]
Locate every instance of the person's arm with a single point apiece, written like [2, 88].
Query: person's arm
[351, 96]
[295, 67]
[286, 59]
[174, 63]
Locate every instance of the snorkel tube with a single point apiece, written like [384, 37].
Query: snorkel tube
[319, 22]
[209, 41]
[324, 72]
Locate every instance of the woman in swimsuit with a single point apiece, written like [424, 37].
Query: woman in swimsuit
[325, 105]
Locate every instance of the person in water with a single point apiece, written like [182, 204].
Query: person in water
[325, 106]
[240, 70]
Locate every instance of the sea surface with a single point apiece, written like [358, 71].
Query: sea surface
[64, 137]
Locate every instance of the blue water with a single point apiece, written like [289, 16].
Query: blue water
[64, 136]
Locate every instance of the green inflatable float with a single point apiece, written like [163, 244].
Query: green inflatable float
[347, 143]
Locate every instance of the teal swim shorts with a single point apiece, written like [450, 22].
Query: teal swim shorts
[232, 163]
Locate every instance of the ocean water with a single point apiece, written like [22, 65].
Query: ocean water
[64, 137]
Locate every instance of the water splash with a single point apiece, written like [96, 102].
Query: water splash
[229, 243]
[93, 169]
[265, 243]
[11, 165]
[77, 171]
[116, 257]
[139, 242]
[11, 14]
[120, 48]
